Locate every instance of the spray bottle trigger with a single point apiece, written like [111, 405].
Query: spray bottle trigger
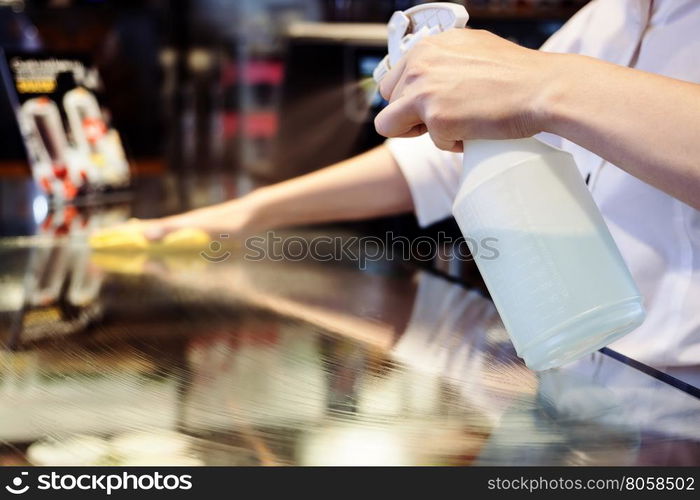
[413, 38]
[398, 26]
[381, 70]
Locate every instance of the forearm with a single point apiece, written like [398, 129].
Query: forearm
[646, 124]
[368, 185]
[365, 186]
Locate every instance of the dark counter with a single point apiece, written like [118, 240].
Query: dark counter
[220, 359]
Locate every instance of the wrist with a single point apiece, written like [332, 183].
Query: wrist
[554, 88]
[259, 209]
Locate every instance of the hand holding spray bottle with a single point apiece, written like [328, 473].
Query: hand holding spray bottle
[559, 282]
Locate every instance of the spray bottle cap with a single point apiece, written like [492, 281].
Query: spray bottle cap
[406, 28]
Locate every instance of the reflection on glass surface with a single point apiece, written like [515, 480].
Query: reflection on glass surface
[185, 361]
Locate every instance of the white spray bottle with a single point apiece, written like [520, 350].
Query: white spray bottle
[558, 280]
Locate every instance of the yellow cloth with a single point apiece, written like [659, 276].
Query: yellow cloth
[130, 237]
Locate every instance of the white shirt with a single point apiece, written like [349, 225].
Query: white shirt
[658, 235]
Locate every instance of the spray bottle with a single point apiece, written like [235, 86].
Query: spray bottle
[558, 281]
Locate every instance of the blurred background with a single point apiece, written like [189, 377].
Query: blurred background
[214, 97]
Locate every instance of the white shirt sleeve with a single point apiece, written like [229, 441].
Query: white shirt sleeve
[432, 176]
[567, 39]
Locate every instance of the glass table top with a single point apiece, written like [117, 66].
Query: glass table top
[144, 359]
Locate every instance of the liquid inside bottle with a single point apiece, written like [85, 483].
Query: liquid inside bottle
[557, 277]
